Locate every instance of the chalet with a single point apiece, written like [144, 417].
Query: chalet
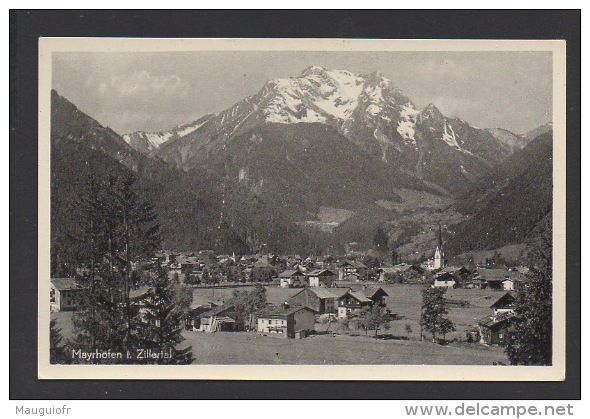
[494, 277]
[352, 270]
[374, 293]
[497, 329]
[286, 322]
[444, 279]
[321, 277]
[475, 284]
[504, 304]
[222, 318]
[292, 278]
[351, 303]
[65, 294]
[193, 321]
[187, 263]
[322, 300]
[461, 273]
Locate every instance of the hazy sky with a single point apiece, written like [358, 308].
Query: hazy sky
[157, 91]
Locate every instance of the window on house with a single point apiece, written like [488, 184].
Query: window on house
[52, 296]
[500, 335]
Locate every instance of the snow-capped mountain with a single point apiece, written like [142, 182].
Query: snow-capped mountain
[368, 109]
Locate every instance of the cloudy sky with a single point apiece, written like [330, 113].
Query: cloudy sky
[157, 91]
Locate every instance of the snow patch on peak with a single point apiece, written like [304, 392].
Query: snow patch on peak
[406, 126]
[450, 138]
[407, 130]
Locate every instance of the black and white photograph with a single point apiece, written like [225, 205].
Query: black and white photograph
[301, 209]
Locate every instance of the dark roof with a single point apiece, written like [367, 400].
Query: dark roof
[63, 284]
[282, 312]
[493, 274]
[289, 273]
[444, 276]
[359, 296]
[505, 300]
[216, 311]
[370, 291]
[496, 322]
[321, 272]
[324, 293]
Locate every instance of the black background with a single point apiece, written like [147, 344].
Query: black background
[27, 26]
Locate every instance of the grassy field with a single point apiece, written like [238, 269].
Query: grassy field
[344, 348]
[249, 348]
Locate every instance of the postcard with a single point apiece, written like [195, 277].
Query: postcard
[301, 209]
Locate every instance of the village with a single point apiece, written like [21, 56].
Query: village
[335, 307]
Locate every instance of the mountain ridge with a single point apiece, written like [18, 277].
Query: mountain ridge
[368, 109]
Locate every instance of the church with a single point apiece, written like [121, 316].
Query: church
[438, 261]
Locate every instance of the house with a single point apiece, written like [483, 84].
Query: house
[497, 329]
[321, 299]
[187, 263]
[292, 278]
[286, 322]
[65, 294]
[321, 277]
[504, 304]
[222, 318]
[444, 279]
[475, 284]
[494, 277]
[351, 303]
[374, 293]
[193, 321]
[352, 270]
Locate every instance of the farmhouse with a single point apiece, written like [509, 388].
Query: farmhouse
[494, 277]
[193, 321]
[374, 293]
[219, 319]
[497, 330]
[475, 284]
[286, 322]
[320, 299]
[293, 278]
[351, 270]
[444, 279]
[352, 302]
[504, 304]
[65, 294]
[321, 277]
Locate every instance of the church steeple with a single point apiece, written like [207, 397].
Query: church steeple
[439, 253]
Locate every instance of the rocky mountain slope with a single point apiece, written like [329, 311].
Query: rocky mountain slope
[505, 206]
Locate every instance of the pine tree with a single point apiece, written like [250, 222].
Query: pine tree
[58, 352]
[119, 228]
[162, 322]
[434, 309]
[533, 329]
